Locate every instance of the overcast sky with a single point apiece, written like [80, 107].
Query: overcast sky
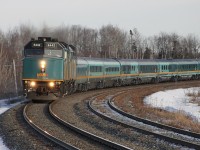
[150, 17]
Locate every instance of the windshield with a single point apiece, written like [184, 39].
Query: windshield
[31, 52]
[54, 53]
[50, 53]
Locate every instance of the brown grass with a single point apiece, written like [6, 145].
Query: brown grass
[132, 102]
[194, 96]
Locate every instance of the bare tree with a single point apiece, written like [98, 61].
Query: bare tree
[6, 76]
[112, 41]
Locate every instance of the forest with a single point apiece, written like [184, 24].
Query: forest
[109, 41]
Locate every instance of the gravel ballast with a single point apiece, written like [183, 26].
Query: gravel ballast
[18, 135]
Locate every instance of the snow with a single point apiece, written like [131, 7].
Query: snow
[2, 110]
[4, 106]
[175, 100]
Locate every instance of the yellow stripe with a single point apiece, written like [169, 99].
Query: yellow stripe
[137, 74]
[41, 80]
[183, 72]
[122, 75]
[92, 77]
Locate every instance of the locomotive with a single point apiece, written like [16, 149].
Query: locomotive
[48, 67]
[51, 70]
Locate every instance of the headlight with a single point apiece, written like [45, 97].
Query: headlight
[51, 84]
[32, 84]
[42, 64]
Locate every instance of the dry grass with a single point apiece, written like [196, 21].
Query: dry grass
[194, 96]
[132, 102]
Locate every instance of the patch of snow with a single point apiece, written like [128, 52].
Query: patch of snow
[175, 100]
[2, 146]
[4, 106]
[2, 110]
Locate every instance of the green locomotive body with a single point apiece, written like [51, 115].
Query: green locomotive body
[46, 66]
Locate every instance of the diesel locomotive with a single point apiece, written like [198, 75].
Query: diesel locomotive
[48, 67]
[51, 70]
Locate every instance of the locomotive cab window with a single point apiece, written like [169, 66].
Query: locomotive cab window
[33, 52]
[53, 53]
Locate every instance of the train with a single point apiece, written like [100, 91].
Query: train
[52, 70]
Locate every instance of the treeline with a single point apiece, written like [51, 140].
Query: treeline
[107, 42]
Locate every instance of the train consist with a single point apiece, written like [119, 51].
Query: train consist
[51, 69]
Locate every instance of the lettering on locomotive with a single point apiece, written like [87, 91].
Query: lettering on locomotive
[42, 75]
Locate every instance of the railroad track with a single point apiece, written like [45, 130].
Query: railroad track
[162, 136]
[79, 133]
[88, 134]
[42, 131]
[149, 122]
[93, 141]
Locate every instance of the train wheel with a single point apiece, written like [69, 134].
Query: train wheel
[179, 78]
[134, 82]
[119, 82]
[61, 92]
[153, 80]
[74, 88]
[174, 78]
[139, 81]
[84, 87]
[193, 77]
[196, 77]
[102, 85]
[116, 83]
[159, 79]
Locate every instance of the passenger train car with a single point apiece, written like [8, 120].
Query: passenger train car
[51, 70]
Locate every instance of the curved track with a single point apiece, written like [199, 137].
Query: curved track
[51, 122]
[149, 122]
[44, 132]
[148, 132]
[87, 134]
[84, 137]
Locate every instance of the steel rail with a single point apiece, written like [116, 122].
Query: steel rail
[85, 133]
[169, 139]
[149, 122]
[44, 133]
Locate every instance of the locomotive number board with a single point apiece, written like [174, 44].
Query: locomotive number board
[37, 45]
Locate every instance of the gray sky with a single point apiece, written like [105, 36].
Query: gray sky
[150, 17]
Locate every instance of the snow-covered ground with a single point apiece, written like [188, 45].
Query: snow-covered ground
[4, 106]
[175, 100]
[2, 110]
